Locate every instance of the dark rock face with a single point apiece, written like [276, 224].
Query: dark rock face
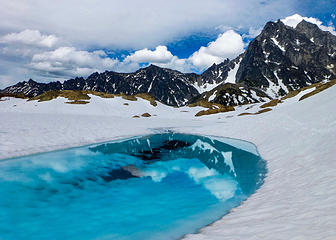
[279, 60]
[168, 86]
[282, 58]
[317, 36]
[217, 73]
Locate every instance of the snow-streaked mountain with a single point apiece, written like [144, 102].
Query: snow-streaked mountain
[167, 86]
[218, 74]
[281, 59]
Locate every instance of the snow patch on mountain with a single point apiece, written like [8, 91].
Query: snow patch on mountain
[206, 87]
[278, 44]
[231, 78]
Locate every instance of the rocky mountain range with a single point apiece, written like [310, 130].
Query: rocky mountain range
[280, 59]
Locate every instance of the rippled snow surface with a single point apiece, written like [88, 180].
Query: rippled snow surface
[160, 186]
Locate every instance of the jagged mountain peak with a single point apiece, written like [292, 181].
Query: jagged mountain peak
[154, 69]
[269, 26]
[150, 67]
[304, 25]
[318, 36]
[282, 59]
[31, 81]
[311, 30]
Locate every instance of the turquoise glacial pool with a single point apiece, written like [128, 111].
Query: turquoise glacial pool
[152, 187]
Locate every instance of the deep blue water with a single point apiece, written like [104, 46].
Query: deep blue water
[153, 187]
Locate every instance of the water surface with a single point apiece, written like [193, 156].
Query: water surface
[160, 186]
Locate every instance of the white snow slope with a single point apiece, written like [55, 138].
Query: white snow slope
[297, 139]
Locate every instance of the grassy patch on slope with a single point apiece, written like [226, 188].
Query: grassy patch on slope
[319, 88]
[69, 94]
[272, 103]
[78, 102]
[213, 108]
[78, 97]
[14, 95]
[205, 104]
[147, 97]
[214, 111]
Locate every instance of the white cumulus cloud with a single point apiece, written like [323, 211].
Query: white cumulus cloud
[69, 61]
[159, 55]
[30, 37]
[228, 45]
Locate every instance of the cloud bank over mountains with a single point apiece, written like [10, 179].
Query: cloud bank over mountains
[50, 56]
[134, 24]
[74, 38]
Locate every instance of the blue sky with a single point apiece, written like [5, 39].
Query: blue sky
[186, 45]
[56, 40]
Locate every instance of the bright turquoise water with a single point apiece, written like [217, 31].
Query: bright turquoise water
[153, 187]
